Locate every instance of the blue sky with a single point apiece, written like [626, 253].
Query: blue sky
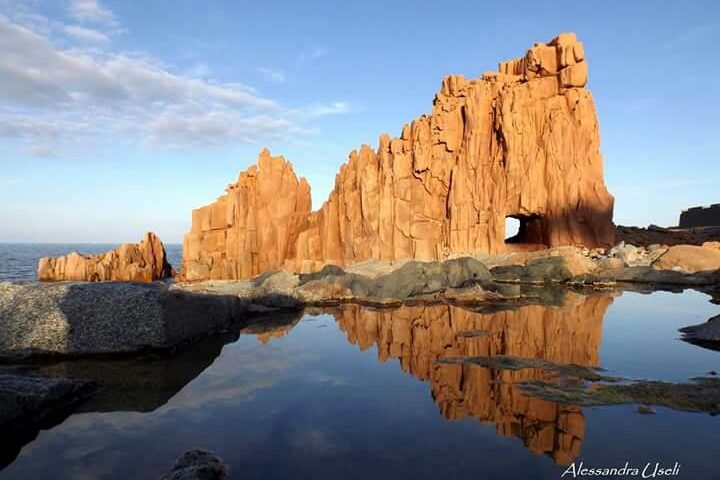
[118, 117]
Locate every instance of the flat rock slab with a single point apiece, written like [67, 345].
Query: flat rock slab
[105, 318]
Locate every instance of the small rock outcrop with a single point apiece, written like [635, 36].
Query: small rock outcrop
[137, 262]
[197, 464]
[522, 142]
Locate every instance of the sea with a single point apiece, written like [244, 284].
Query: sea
[19, 261]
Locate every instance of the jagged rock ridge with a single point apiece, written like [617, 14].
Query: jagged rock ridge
[138, 262]
[522, 142]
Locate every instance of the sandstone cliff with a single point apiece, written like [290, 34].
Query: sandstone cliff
[250, 229]
[522, 142]
[138, 262]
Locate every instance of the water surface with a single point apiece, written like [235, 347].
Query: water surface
[356, 393]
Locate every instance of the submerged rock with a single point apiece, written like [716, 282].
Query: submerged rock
[29, 399]
[197, 464]
[697, 395]
[105, 318]
[29, 403]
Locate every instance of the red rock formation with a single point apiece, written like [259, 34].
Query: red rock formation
[522, 142]
[419, 335]
[250, 229]
[138, 262]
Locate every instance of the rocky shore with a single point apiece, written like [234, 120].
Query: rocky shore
[74, 319]
[80, 318]
[479, 279]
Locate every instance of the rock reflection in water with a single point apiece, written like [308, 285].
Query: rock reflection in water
[419, 335]
[141, 383]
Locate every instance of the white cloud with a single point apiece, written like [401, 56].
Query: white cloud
[90, 11]
[275, 76]
[85, 34]
[312, 54]
[53, 97]
[331, 109]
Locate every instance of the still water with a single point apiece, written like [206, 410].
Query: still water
[356, 393]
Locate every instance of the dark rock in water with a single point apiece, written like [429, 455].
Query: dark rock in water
[704, 334]
[645, 410]
[26, 398]
[29, 403]
[105, 318]
[197, 464]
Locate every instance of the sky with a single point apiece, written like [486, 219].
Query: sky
[119, 117]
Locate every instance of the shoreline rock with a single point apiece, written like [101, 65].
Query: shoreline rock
[145, 261]
[77, 319]
[484, 279]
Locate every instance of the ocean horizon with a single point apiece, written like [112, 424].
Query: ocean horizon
[18, 261]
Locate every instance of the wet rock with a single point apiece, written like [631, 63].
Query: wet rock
[704, 332]
[698, 395]
[105, 318]
[506, 362]
[645, 410]
[197, 464]
[30, 403]
[27, 399]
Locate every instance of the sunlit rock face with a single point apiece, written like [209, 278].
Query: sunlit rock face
[252, 228]
[522, 142]
[418, 336]
[145, 261]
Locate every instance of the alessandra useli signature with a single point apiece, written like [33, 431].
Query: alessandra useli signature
[649, 470]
